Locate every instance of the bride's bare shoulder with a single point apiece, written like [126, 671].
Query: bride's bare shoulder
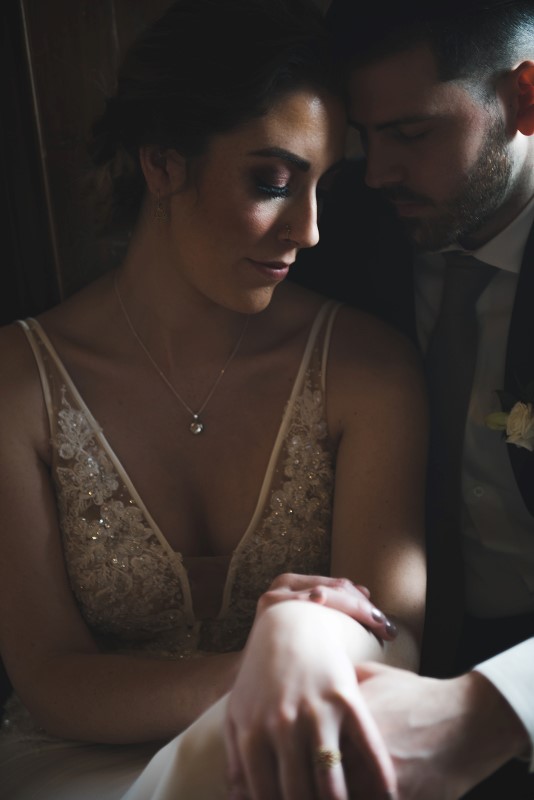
[296, 306]
[22, 403]
[16, 357]
[364, 339]
[81, 316]
[22, 410]
[369, 361]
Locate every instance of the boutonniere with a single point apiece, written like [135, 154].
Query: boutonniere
[516, 421]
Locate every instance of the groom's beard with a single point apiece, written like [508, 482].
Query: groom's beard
[480, 195]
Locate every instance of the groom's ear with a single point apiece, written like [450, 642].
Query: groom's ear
[524, 82]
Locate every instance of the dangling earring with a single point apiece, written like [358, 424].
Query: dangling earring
[160, 212]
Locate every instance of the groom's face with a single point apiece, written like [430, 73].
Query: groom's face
[436, 151]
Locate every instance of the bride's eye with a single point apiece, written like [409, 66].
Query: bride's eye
[273, 183]
[273, 191]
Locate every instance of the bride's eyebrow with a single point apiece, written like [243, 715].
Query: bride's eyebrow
[285, 155]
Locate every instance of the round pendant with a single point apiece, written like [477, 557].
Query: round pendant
[196, 427]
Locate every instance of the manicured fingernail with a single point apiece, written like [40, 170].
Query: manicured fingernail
[391, 628]
[377, 615]
[316, 595]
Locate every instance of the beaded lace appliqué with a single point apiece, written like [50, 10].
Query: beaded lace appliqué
[119, 571]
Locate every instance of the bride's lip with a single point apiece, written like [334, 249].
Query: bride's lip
[273, 270]
[281, 265]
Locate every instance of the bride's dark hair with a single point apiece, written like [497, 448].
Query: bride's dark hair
[205, 67]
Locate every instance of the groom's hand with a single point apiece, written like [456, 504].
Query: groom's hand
[444, 736]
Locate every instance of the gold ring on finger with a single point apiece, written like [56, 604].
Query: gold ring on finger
[327, 758]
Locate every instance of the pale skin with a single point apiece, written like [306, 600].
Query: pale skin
[423, 137]
[194, 279]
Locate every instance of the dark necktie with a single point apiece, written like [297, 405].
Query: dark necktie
[451, 357]
[450, 364]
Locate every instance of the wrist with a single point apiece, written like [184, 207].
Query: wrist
[297, 625]
[500, 733]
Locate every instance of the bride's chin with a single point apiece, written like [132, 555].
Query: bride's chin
[257, 301]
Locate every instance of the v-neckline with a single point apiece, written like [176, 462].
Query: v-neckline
[176, 557]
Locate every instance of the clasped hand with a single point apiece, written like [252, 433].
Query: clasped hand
[297, 697]
[336, 593]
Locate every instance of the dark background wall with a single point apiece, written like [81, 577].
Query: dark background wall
[60, 58]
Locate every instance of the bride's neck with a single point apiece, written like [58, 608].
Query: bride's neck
[164, 312]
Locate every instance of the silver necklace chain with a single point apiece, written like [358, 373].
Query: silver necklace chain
[196, 426]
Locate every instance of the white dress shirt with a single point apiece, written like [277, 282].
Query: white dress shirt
[498, 530]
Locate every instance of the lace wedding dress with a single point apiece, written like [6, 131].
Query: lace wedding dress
[133, 589]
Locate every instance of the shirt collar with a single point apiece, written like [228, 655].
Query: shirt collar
[505, 251]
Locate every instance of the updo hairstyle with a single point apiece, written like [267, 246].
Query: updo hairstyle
[204, 68]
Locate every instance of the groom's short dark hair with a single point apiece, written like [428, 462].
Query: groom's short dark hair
[470, 39]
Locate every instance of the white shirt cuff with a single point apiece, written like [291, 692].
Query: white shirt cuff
[512, 674]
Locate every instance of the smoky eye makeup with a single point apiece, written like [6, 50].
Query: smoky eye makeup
[272, 182]
[272, 191]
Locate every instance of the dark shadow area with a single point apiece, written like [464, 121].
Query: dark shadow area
[29, 283]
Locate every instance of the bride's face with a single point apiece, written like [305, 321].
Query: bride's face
[253, 200]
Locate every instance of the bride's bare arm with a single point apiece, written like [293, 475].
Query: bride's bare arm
[377, 398]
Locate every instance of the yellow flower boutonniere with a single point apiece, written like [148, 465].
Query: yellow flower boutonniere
[517, 422]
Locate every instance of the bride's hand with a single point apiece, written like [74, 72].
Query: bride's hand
[336, 593]
[296, 695]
